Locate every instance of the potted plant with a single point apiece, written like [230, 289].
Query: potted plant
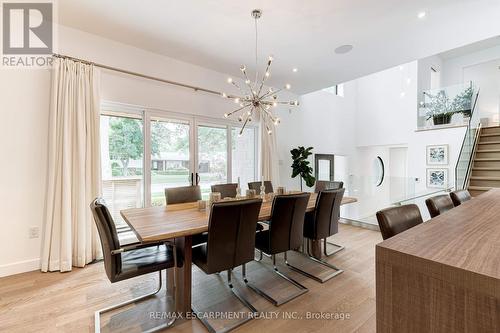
[300, 165]
[441, 108]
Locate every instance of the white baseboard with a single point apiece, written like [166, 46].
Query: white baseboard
[20, 267]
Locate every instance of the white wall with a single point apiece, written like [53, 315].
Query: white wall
[24, 104]
[323, 121]
[480, 67]
[378, 113]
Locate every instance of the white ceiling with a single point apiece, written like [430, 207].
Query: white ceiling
[219, 34]
[471, 48]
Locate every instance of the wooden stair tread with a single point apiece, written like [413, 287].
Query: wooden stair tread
[485, 169]
[489, 142]
[480, 188]
[485, 178]
[487, 159]
[489, 134]
[488, 151]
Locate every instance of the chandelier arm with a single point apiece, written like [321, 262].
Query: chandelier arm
[240, 109]
[265, 120]
[244, 125]
[272, 93]
[248, 84]
[270, 115]
[266, 75]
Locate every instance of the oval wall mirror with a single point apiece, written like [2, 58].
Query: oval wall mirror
[378, 171]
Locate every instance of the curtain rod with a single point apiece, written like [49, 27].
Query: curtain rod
[124, 71]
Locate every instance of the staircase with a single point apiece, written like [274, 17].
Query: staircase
[486, 167]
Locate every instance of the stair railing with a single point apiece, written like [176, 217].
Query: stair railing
[467, 151]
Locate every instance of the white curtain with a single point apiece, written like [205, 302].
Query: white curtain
[70, 237]
[269, 156]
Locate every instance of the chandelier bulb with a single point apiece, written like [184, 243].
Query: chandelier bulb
[240, 134]
[268, 107]
[226, 115]
[249, 112]
[229, 80]
[243, 68]
[241, 104]
[276, 121]
[269, 132]
[271, 58]
[275, 104]
[224, 95]
[288, 86]
[236, 100]
[267, 74]
[247, 81]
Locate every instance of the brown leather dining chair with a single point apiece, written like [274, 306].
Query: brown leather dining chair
[285, 231]
[225, 190]
[231, 243]
[125, 262]
[186, 194]
[183, 194]
[439, 204]
[256, 186]
[395, 220]
[319, 225]
[322, 185]
[459, 197]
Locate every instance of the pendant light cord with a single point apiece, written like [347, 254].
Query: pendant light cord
[256, 55]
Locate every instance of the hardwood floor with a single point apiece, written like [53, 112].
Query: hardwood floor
[65, 302]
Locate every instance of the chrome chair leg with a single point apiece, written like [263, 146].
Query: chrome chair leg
[98, 313]
[242, 299]
[338, 248]
[261, 253]
[302, 289]
[336, 272]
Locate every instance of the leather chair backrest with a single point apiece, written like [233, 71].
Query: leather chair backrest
[287, 222]
[439, 204]
[225, 190]
[183, 194]
[327, 213]
[459, 197]
[231, 234]
[395, 220]
[109, 237]
[256, 186]
[322, 185]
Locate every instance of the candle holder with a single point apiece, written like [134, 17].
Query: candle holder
[262, 192]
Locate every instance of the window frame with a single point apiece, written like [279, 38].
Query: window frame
[146, 115]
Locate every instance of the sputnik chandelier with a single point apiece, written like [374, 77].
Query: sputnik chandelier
[254, 99]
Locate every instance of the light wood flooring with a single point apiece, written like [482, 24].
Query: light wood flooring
[65, 302]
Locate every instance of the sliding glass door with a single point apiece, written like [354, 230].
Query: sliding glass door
[212, 163]
[179, 151]
[170, 156]
[122, 147]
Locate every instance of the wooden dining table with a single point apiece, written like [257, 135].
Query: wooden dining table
[180, 222]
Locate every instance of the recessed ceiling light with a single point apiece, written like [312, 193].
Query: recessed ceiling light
[343, 49]
[421, 15]
[295, 70]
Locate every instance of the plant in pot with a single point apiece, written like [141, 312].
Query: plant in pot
[300, 165]
[441, 108]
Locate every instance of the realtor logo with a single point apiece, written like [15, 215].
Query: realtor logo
[27, 28]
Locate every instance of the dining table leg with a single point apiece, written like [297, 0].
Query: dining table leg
[183, 289]
[315, 248]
